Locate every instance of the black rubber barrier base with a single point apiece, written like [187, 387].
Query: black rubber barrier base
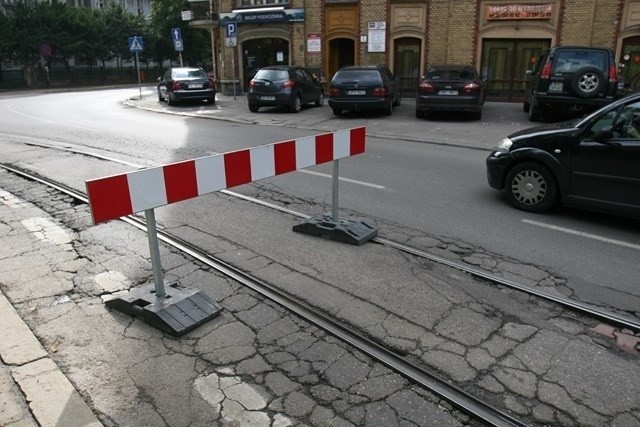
[178, 312]
[352, 231]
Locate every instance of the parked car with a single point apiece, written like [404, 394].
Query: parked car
[574, 79]
[591, 163]
[186, 83]
[284, 86]
[450, 88]
[364, 87]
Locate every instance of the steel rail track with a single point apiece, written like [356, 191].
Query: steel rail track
[459, 398]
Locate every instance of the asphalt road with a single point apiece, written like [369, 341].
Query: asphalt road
[419, 179]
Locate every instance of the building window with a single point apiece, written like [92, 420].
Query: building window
[253, 3]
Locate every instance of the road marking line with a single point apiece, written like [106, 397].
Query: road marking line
[353, 181]
[583, 234]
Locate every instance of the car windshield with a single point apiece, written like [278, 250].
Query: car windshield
[183, 74]
[272, 75]
[572, 61]
[449, 74]
[357, 76]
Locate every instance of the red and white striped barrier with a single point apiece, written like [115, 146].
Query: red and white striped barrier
[120, 195]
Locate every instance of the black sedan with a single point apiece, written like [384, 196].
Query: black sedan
[364, 88]
[450, 88]
[284, 86]
[590, 163]
[186, 83]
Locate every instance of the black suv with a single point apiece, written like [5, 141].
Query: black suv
[284, 86]
[571, 79]
[364, 87]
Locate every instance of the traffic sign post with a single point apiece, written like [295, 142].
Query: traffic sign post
[178, 46]
[136, 45]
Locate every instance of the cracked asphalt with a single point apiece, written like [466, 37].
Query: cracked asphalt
[66, 359]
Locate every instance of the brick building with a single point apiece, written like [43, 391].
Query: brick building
[502, 38]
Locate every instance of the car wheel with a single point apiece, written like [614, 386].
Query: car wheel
[296, 104]
[212, 100]
[253, 108]
[170, 100]
[531, 187]
[397, 103]
[337, 111]
[320, 100]
[420, 114]
[477, 115]
[587, 82]
[535, 115]
[526, 105]
[160, 98]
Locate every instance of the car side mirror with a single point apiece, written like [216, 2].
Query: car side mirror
[529, 72]
[159, 79]
[604, 134]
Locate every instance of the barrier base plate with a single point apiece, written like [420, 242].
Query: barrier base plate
[350, 231]
[178, 312]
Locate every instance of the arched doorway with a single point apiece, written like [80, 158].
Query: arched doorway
[258, 53]
[342, 51]
[406, 64]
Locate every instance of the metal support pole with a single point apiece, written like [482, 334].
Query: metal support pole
[180, 56]
[152, 235]
[138, 73]
[334, 210]
[233, 67]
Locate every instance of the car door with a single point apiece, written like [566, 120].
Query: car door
[606, 174]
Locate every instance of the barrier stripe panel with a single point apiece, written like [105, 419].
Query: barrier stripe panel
[341, 145]
[262, 162]
[358, 136]
[324, 148]
[285, 157]
[109, 198]
[210, 174]
[305, 152]
[147, 189]
[120, 195]
[237, 167]
[180, 180]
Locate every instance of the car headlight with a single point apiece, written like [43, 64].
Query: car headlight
[504, 145]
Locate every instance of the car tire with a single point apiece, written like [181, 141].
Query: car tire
[531, 187]
[337, 111]
[477, 115]
[588, 82]
[296, 104]
[526, 105]
[253, 108]
[160, 98]
[212, 100]
[320, 100]
[535, 115]
[420, 114]
[397, 103]
[170, 101]
[388, 110]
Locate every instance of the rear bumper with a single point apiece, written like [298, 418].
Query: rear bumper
[559, 101]
[181, 95]
[451, 103]
[278, 99]
[358, 104]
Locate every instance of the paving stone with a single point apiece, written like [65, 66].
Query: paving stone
[298, 405]
[415, 409]
[280, 384]
[467, 327]
[346, 372]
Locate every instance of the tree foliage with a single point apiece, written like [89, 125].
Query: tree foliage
[35, 33]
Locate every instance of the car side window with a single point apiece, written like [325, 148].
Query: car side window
[624, 123]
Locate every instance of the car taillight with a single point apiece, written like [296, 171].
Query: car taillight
[334, 92]
[546, 70]
[426, 86]
[289, 83]
[471, 87]
[252, 84]
[379, 91]
[613, 73]
[212, 83]
[176, 85]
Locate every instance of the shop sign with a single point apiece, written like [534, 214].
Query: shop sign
[314, 43]
[519, 11]
[285, 15]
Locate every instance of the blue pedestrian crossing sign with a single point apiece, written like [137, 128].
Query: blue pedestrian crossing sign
[136, 44]
[176, 34]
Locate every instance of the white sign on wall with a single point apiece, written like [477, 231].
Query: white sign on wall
[377, 36]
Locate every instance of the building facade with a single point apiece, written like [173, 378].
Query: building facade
[502, 38]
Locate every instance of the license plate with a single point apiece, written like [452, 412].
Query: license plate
[356, 92]
[268, 98]
[555, 86]
[196, 86]
[447, 92]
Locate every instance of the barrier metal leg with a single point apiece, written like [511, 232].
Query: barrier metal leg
[175, 311]
[352, 231]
